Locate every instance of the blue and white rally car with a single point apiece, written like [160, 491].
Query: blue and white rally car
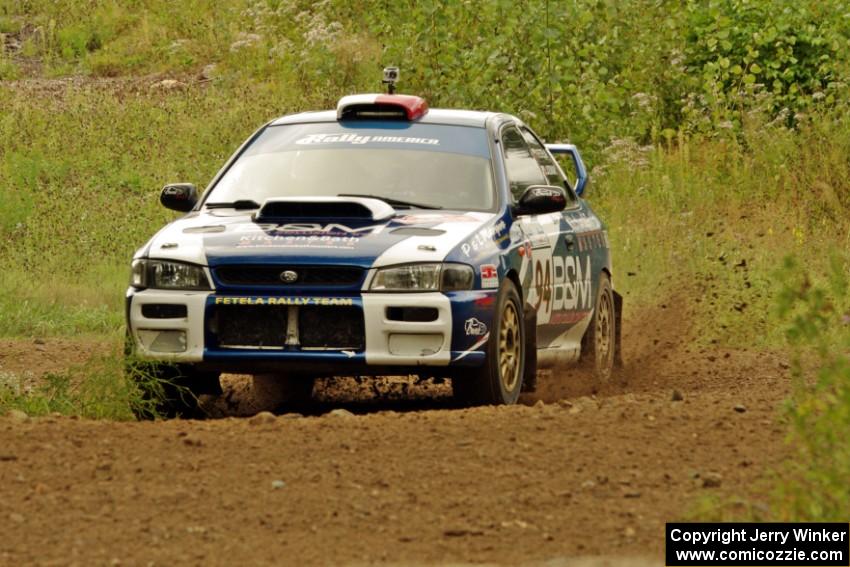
[382, 238]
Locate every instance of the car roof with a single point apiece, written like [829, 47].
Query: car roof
[433, 116]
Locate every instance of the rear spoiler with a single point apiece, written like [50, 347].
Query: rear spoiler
[578, 163]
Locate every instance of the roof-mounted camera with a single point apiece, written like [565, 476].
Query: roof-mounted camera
[390, 78]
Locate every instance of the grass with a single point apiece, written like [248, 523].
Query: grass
[812, 484]
[705, 191]
[46, 306]
[73, 213]
[82, 160]
[717, 216]
[97, 389]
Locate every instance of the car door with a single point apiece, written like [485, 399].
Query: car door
[546, 233]
[572, 268]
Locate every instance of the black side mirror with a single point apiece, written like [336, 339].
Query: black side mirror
[179, 197]
[540, 200]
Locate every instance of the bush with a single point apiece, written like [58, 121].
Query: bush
[96, 390]
[587, 71]
[594, 71]
[816, 488]
[782, 56]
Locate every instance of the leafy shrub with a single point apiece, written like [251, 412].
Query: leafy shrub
[80, 165]
[589, 71]
[819, 411]
[786, 56]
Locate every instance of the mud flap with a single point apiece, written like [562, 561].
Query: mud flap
[618, 330]
[529, 376]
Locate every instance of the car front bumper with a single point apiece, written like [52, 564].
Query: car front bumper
[390, 342]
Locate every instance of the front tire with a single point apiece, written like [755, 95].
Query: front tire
[170, 390]
[499, 380]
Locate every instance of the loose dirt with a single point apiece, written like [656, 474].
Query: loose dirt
[400, 477]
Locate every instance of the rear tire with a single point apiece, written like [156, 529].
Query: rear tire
[598, 347]
[499, 380]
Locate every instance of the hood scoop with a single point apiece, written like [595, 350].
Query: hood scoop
[324, 208]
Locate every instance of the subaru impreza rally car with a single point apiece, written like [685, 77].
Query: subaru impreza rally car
[382, 238]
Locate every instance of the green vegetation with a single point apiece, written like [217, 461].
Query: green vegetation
[692, 117]
[715, 130]
[97, 390]
[713, 218]
[628, 69]
[812, 484]
[816, 486]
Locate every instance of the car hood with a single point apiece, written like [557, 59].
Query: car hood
[227, 237]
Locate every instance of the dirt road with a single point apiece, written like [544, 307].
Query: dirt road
[402, 482]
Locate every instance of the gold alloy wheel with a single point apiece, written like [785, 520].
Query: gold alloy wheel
[603, 334]
[509, 347]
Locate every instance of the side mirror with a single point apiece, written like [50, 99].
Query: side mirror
[540, 200]
[179, 197]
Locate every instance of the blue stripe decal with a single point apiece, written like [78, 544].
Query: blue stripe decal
[239, 355]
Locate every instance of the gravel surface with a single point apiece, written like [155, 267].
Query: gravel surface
[394, 475]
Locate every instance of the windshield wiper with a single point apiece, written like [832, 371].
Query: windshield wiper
[391, 201]
[241, 204]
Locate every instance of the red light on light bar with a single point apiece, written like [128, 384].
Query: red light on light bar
[415, 107]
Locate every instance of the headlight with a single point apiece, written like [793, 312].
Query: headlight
[424, 277]
[161, 274]
[457, 277]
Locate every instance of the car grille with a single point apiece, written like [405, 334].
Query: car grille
[306, 275]
[265, 326]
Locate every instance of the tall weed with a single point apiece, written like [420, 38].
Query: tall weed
[818, 315]
[97, 389]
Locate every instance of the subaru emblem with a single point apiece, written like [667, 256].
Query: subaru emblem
[288, 276]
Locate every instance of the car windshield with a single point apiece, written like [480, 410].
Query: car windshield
[433, 165]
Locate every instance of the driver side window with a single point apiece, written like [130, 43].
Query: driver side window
[548, 165]
[522, 168]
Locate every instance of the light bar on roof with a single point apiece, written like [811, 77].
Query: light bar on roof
[381, 106]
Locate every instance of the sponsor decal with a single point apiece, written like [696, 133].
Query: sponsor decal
[535, 233]
[433, 218]
[546, 192]
[478, 344]
[592, 240]
[568, 317]
[516, 232]
[489, 275]
[474, 327]
[313, 228]
[488, 234]
[299, 241]
[584, 224]
[303, 235]
[326, 301]
[309, 228]
[204, 229]
[356, 139]
[562, 284]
